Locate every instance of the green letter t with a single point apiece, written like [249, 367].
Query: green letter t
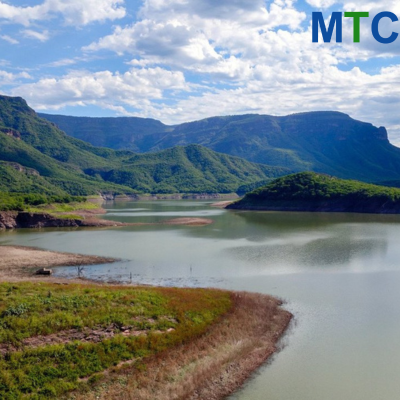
[356, 22]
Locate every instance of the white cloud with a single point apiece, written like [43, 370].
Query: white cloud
[221, 39]
[134, 88]
[321, 3]
[8, 78]
[74, 12]
[41, 36]
[9, 39]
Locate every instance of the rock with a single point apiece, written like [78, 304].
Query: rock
[43, 220]
[44, 271]
[8, 220]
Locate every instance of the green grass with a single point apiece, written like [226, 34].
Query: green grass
[39, 202]
[28, 310]
[55, 208]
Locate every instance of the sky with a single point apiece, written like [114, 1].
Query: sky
[183, 60]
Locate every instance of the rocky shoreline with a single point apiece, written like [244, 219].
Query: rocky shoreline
[21, 219]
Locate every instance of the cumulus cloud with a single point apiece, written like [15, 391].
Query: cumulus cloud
[74, 12]
[206, 37]
[7, 78]
[135, 88]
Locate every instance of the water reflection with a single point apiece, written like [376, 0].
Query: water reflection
[318, 253]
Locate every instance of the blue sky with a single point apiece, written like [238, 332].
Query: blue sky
[182, 60]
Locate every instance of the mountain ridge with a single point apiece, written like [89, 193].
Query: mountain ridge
[64, 164]
[322, 141]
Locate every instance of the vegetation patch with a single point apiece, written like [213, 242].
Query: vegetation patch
[164, 318]
[309, 191]
[34, 202]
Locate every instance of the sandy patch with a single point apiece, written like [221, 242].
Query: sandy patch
[189, 221]
[18, 262]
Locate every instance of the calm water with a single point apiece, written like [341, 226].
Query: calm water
[340, 276]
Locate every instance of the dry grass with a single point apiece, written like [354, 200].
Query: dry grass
[210, 367]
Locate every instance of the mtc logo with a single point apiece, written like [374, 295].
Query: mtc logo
[337, 20]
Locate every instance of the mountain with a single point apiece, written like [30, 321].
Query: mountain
[327, 142]
[308, 191]
[189, 169]
[36, 156]
[114, 133]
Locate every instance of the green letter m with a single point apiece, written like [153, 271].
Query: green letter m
[318, 21]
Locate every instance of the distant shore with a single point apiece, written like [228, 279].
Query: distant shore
[80, 219]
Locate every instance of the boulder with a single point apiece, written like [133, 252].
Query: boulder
[44, 271]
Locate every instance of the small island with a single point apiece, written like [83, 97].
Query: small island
[309, 191]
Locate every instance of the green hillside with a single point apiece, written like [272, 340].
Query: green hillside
[327, 142]
[308, 191]
[37, 157]
[115, 133]
[190, 169]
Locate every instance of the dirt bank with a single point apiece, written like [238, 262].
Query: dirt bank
[210, 367]
[19, 263]
[22, 219]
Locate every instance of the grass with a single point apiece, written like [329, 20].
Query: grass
[160, 317]
[211, 366]
[32, 201]
[67, 207]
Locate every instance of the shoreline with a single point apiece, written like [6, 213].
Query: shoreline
[10, 220]
[19, 263]
[172, 196]
[216, 364]
[210, 367]
[300, 209]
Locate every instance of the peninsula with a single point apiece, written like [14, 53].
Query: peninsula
[309, 191]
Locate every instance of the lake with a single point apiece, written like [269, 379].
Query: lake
[338, 273]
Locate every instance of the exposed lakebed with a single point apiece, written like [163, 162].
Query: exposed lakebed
[340, 274]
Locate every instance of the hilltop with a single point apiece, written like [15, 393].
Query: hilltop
[37, 157]
[309, 191]
[326, 142]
